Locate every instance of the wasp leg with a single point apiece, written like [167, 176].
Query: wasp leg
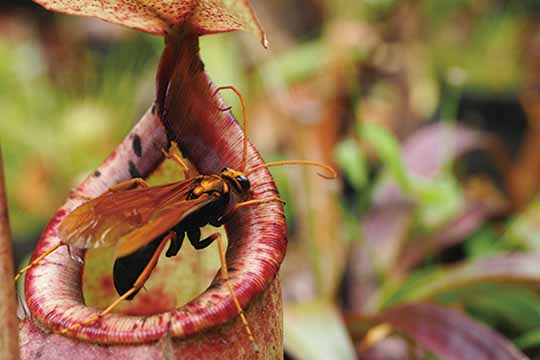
[225, 276]
[176, 244]
[81, 195]
[257, 201]
[128, 184]
[124, 185]
[137, 285]
[172, 156]
[37, 260]
[194, 236]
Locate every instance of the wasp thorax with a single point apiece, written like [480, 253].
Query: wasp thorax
[207, 184]
[196, 192]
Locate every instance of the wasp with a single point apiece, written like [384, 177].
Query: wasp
[141, 220]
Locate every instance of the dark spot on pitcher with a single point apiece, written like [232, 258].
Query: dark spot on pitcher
[137, 145]
[133, 171]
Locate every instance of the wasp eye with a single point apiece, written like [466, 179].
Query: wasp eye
[244, 182]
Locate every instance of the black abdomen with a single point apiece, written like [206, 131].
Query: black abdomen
[127, 269]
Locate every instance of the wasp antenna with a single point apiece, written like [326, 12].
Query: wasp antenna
[244, 115]
[332, 173]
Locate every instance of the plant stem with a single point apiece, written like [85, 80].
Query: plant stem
[9, 334]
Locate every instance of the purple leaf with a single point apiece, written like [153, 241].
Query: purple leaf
[449, 333]
[385, 228]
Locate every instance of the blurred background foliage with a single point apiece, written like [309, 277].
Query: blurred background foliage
[430, 110]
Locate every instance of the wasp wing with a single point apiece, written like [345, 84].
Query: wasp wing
[104, 220]
[161, 222]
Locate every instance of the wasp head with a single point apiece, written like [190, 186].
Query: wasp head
[237, 180]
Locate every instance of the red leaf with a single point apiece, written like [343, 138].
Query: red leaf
[449, 334]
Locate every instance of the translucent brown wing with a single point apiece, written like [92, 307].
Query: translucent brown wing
[104, 220]
[160, 223]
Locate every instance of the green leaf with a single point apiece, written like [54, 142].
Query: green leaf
[388, 150]
[396, 292]
[485, 242]
[525, 227]
[529, 340]
[352, 161]
[316, 331]
[440, 200]
[517, 307]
